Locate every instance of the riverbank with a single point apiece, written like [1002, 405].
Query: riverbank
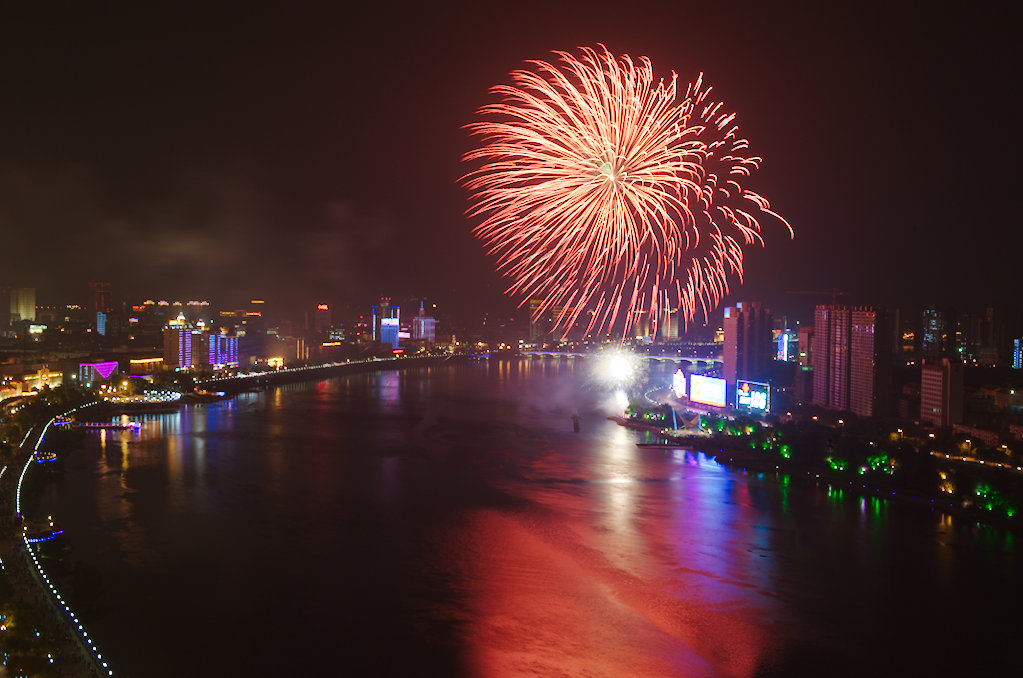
[43, 636]
[258, 380]
[51, 637]
[740, 456]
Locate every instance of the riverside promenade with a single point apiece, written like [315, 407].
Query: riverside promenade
[42, 636]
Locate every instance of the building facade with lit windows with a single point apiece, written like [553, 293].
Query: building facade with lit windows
[941, 391]
[186, 347]
[851, 356]
[424, 328]
[177, 348]
[748, 342]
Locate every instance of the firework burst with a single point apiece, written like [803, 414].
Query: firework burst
[603, 192]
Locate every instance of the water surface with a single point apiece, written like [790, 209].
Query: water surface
[447, 521]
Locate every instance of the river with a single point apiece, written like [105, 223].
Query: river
[448, 521]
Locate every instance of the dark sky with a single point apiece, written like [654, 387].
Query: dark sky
[303, 154]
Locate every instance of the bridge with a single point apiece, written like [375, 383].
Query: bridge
[688, 362]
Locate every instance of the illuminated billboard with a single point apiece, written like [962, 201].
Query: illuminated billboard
[707, 390]
[753, 396]
[678, 383]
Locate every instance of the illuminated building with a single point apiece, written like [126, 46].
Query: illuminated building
[321, 319]
[186, 347]
[89, 373]
[934, 341]
[669, 325]
[534, 312]
[177, 348]
[23, 304]
[101, 323]
[941, 391]
[1017, 354]
[805, 346]
[389, 331]
[386, 322]
[219, 350]
[424, 328]
[747, 349]
[977, 338]
[851, 357]
[788, 346]
[380, 311]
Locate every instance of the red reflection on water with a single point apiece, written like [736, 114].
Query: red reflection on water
[604, 579]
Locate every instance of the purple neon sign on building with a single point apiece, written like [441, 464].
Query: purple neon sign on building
[88, 372]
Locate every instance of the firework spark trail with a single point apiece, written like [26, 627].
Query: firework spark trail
[603, 191]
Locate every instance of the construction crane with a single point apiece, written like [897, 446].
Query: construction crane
[834, 292]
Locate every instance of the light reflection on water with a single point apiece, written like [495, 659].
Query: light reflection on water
[450, 518]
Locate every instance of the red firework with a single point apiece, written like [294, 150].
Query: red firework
[601, 190]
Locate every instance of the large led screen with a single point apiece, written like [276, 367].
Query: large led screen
[707, 390]
[752, 396]
[678, 383]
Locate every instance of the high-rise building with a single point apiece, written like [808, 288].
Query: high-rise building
[669, 327]
[23, 304]
[380, 311]
[941, 391]
[748, 342]
[177, 347]
[321, 319]
[805, 346]
[534, 313]
[389, 331]
[935, 338]
[186, 347]
[1017, 354]
[100, 301]
[851, 355]
[870, 362]
[544, 321]
[830, 357]
[424, 328]
[218, 350]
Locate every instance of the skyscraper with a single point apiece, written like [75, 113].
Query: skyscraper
[389, 332]
[177, 347]
[23, 304]
[934, 342]
[748, 346]
[851, 356]
[321, 319]
[424, 328]
[941, 391]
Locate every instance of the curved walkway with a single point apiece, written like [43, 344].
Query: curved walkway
[75, 653]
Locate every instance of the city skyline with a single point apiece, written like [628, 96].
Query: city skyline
[307, 155]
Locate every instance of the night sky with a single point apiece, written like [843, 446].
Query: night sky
[307, 155]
